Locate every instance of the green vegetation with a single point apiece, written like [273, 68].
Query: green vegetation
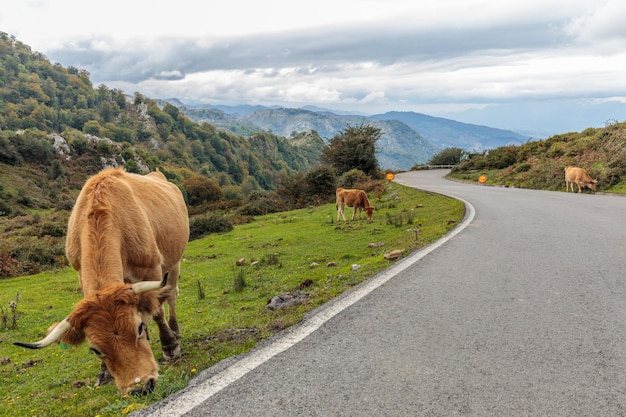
[261, 198]
[45, 106]
[541, 164]
[448, 156]
[56, 130]
[222, 306]
[354, 148]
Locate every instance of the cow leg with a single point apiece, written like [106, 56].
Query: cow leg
[169, 340]
[171, 310]
[353, 212]
[171, 301]
[341, 212]
[169, 333]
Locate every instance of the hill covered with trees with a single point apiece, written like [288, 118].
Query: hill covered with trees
[57, 129]
[38, 98]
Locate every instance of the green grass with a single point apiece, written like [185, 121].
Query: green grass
[217, 320]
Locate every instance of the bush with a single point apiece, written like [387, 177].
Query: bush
[205, 225]
[54, 229]
[320, 185]
[9, 266]
[201, 190]
[502, 157]
[39, 254]
[261, 204]
[524, 166]
[448, 156]
[5, 208]
[233, 192]
[352, 179]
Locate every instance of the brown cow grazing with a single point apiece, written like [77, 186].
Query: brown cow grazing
[578, 176]
[126, 236]
[357, 199]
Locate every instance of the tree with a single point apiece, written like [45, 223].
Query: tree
[92, 127]
[321, 184]
[355, 147]
[448, 156]
[202, 190]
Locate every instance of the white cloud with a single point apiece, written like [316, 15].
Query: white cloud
[603, 24]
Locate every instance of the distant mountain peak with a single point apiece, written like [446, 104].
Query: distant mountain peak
[408, 138]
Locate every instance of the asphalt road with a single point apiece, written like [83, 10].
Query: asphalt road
[521, 311]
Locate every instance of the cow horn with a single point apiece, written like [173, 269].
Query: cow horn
[52, 337]
[145, 286]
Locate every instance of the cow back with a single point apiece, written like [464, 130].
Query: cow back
[352, 198]
[124, 226]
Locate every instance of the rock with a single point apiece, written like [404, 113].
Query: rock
[241, 261]
[394, 254]
[355, 267]
[375, 245]
[285, 300]
[314, 265]
[331, 264]
[306, 283]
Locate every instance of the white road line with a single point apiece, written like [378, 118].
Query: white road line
[187, 401]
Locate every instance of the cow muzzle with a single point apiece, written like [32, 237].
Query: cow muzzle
[144, 389]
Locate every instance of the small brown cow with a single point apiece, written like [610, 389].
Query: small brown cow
[578, 176]
[126, 237]
[357, 199]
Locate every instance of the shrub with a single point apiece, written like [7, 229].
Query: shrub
[52, 229]
[204, 225]
[39, 254]
[201, 190]
[239, 281]
[502, 157]
[5, 208]
[524, 166]
[9, 266]
[233, 192]
[320, 184]
[352, 178]
[448, 156]
[261, 204]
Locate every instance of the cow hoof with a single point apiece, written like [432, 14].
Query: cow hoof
[171, 354]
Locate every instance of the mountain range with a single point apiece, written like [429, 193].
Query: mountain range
[407, 139]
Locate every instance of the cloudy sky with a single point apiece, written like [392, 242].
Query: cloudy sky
[536, 66]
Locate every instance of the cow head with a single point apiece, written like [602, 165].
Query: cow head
[369, 211]
[114, 323]
[592, 185]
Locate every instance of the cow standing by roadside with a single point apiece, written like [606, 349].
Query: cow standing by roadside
[357, 199]
[578, 176]
[126, 237]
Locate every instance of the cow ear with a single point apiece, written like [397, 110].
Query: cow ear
[148, 303]
[165, 294]
[73, 337]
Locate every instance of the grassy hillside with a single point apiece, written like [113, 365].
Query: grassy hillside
[541, 164]
[217, 319]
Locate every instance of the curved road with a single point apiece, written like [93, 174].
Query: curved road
[521, 311]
